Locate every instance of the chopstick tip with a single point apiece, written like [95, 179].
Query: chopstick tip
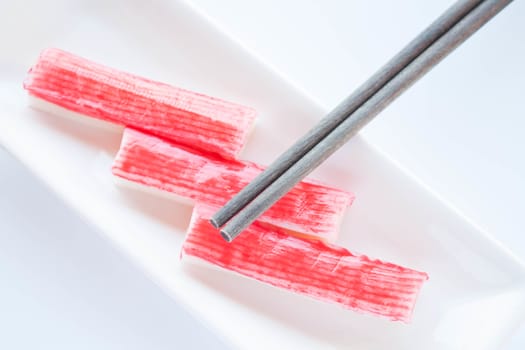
[227, 237]
[214, 222]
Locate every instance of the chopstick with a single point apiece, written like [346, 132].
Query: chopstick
[426, 38]
[423, 53]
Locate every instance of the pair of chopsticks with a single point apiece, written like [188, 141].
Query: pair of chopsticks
[446, 33]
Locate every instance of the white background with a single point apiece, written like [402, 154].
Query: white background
[460, 130]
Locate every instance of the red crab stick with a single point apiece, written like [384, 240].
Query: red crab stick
[310, 208]
[196, 120]
[309, 267]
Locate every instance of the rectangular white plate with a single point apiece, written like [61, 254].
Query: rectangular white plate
[476, 293]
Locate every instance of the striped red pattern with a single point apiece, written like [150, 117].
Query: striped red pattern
[310, 208]
[308, 267]
[196, 120]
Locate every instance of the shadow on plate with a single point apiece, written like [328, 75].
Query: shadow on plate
[105, 138]
[165, 210]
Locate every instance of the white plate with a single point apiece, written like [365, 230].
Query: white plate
[476, 292]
